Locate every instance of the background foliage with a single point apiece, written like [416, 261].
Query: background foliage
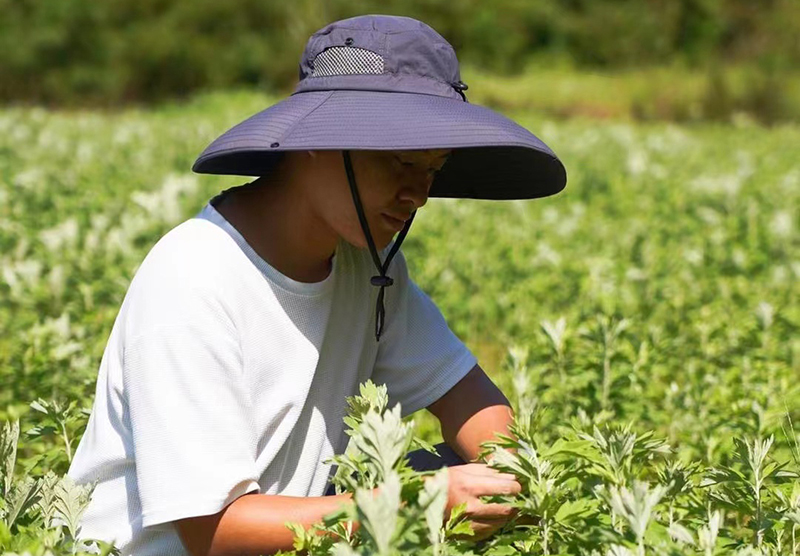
[645, 322]
[82, 53]
[658, 292]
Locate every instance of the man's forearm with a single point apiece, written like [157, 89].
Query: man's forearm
[471, 412]
[255, 524]
[481, 427]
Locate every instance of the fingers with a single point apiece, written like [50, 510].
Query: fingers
[485, 485]
[491, 512]
[503, 487]
[483, 470]
[470, 482]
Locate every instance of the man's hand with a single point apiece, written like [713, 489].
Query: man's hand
[467, 483]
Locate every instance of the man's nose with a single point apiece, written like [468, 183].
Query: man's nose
[416, 190]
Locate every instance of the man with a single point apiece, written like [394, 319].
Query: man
[222, 388]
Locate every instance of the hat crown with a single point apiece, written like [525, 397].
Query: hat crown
[380, 53]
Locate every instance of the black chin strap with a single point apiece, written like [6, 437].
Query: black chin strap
[382, 280]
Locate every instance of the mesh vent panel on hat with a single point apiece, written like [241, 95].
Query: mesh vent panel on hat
[347, 60]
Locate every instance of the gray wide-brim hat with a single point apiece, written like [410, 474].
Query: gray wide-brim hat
[391, 83]
[379, 82]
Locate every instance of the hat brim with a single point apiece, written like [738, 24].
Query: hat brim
[493, 157]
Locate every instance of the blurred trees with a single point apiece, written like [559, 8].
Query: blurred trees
[77, 52]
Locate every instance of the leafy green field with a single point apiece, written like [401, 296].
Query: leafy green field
[657, 293]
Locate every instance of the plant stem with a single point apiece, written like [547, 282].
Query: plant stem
[606, 377]
[546, 532]
[66, 441]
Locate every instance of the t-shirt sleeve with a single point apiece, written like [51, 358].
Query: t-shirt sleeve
[193, 439]
[419, 358]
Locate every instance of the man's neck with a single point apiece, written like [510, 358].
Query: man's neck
[281, 229]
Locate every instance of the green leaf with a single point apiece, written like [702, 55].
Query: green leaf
[680, 533]
[434, 500]
[343, 549]
[70, 502]
[385, 439]
[418, 443]
[579, 448]
[461, 528]
[41, 406]
[9, 437]
[371, 397]
[48, 498]
[40, 430]
[573, 509]
[5, 535]
[299, 533]
[458, 524]
[379, 514]
[634, 505]
[23, 495]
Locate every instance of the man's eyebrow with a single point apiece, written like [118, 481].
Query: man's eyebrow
[415, 160]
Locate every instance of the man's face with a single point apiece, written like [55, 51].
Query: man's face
[391, 184]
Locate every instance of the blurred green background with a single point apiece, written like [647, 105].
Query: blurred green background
[659, 288]
[680, 60]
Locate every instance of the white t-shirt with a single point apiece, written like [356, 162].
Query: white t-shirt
[222, 376]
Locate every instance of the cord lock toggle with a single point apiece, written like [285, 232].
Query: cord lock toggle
[381, 281]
